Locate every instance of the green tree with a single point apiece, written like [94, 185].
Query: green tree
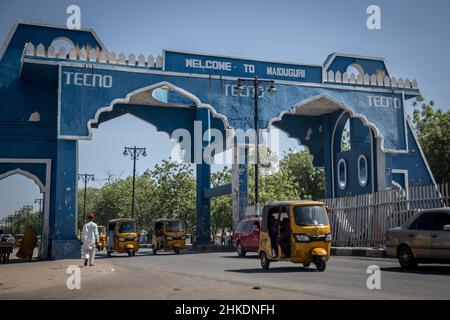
[221, 207]
[174, 191]
[433, 130]
[309, 180]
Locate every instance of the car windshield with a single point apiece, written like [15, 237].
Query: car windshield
[127, 227]
[175, 226]
[310, 215]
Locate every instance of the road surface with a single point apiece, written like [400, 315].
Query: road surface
[220, 276]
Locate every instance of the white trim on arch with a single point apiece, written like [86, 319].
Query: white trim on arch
[25, 174]
[44, 188]
[24, 22]
[163, 84]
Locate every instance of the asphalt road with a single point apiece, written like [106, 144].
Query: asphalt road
[223, 276]
[344, 278]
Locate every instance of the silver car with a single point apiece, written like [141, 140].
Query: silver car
[425, 238]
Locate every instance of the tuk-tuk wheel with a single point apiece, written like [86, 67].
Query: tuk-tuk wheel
[177, 250]
[154, 251]
[134, 253]
[265, 263]
[321, 264]
[306, 265]
[108, 254]
[130, 252]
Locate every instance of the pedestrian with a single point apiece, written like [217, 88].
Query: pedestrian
[222, 238]
[90, 239]
[28, 244]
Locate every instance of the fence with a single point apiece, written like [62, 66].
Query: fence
[363, 220]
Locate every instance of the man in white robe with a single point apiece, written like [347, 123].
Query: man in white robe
[90, 239]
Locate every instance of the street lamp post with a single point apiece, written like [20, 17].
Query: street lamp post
[258, 86]
[17, 215]
[27, 209]
[135, 153]
[39, 202]
[85, 178]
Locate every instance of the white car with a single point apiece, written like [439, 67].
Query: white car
[425, 238]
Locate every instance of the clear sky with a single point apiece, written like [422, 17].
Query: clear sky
[414, 39]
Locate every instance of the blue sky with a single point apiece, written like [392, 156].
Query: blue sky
[414, 39]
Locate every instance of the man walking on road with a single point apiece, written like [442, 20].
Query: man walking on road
[90, 239]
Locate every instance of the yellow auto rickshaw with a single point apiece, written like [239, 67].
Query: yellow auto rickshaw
[168, 235]
[296, 231]
[123, 236]
[102, 238]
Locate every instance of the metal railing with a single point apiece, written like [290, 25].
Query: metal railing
[363, 220]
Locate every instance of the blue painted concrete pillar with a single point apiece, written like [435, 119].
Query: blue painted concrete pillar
[326, 145]
[203, 229]
[63, 219]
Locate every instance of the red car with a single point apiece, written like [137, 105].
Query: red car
[246, 236]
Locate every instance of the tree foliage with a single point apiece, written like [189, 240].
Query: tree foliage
[433, 130]
[169, 190]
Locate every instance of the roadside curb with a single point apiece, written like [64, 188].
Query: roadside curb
[359, 252]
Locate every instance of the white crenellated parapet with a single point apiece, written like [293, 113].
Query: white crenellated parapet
[40, 50]
[159, 62]
[29, 49]
[379, 80]
[93, 55]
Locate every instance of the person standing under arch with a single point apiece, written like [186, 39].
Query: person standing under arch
[90, 239]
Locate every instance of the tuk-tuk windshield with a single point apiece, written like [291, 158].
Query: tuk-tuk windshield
[310, 215]
[175, 226]
[127, 227]
[101, 230]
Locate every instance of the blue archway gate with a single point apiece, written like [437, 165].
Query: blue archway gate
[52, 97]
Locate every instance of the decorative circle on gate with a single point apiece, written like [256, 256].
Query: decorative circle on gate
[342, 174]
[362, 170]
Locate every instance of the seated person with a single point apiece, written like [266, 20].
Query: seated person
[273, 234]
[285, 236]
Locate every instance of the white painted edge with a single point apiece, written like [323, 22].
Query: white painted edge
[132, 69]
[421, 152]
[45, 188]
[126, 100]
[241, 58]
[333, 56]
[25, 22]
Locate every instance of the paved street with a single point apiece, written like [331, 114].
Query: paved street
[220, 276]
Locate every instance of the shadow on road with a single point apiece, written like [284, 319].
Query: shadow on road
[435, 270]
[274, 270]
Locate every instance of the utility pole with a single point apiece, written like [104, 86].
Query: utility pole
[85, 178]
[256, 84]
[134, 152]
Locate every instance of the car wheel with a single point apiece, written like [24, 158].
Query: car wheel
[406, 258]
[265, 263]
[240, 250]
